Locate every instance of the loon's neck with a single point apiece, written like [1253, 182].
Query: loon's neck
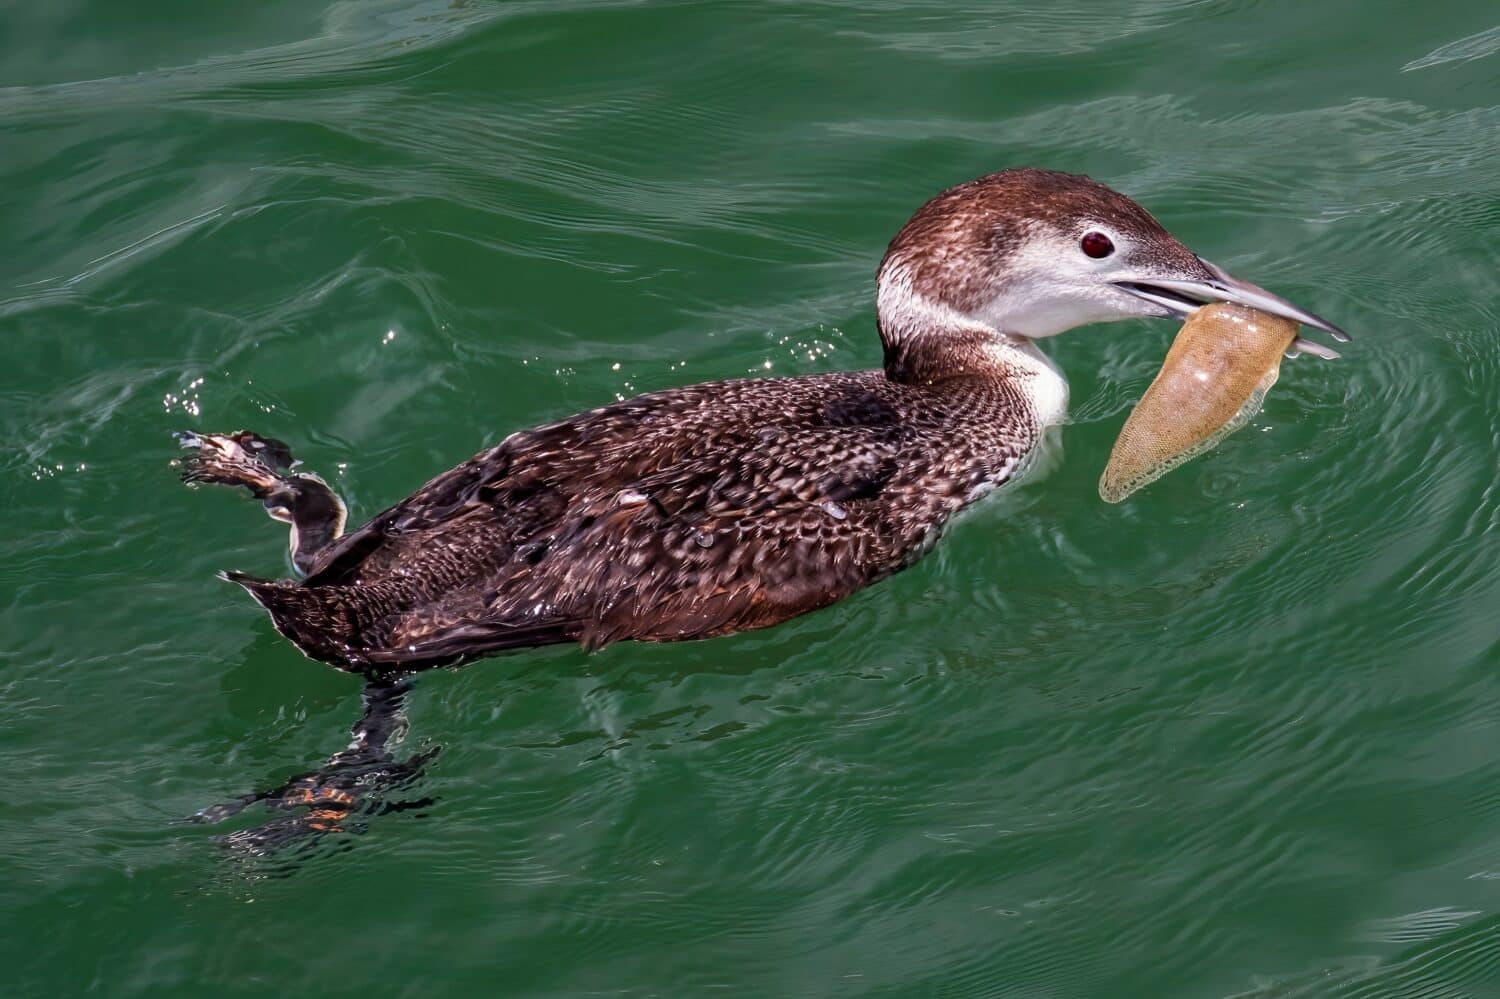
[927, 343]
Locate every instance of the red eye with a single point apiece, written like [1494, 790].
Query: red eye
[1096, 245]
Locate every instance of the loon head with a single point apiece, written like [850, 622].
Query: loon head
[1033, 253]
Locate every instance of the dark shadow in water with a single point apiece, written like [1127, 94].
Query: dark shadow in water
[337, 797]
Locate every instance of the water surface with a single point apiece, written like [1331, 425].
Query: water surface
[1237, 736]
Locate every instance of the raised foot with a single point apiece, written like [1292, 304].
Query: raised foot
[238, 459]
[264, 465]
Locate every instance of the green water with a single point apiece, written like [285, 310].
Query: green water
[1238, 736]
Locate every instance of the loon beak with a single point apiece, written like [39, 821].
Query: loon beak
[1181, 297]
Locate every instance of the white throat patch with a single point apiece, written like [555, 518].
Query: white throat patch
[906, 314]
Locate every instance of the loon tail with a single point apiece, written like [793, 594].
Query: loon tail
[310, 617]
[359, 632]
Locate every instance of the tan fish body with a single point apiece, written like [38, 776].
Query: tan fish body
[1214, 379]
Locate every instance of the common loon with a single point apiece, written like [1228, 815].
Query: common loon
[731, 505]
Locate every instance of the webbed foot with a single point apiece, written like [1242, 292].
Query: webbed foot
[338, 796]
[263, 465]
[238, 459]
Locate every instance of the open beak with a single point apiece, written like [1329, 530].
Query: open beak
[1182, 297]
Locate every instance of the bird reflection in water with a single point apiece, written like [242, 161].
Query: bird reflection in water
[339, 796]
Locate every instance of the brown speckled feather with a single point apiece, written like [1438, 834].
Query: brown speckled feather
[685, 513]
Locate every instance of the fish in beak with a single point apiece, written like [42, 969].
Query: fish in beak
[1224, 360]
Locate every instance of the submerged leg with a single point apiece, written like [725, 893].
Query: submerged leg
[352, 783]
[263, 465]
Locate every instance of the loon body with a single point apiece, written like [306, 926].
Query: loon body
[724, 506]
